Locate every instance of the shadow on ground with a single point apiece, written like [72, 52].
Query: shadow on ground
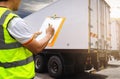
[113, 65]
[84, 76]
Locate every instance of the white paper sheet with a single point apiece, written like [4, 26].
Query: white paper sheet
[55, 24]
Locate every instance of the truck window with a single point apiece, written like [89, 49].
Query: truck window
[29, 6]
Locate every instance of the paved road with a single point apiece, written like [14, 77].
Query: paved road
[111, 72]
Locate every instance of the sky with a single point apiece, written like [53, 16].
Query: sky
[115, 8]
[26, 8]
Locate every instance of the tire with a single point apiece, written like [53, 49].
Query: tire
[97, 66]
[88, 67]
[55, 66]
[39, 63]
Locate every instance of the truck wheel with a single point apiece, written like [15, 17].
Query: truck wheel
[97, 66]
[39, 63]
[55, 67]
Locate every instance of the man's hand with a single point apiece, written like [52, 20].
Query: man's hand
[50, 31]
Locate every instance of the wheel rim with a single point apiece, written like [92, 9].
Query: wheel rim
[54, 67]
[37, 63]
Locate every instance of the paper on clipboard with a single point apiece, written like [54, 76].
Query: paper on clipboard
[56, 24]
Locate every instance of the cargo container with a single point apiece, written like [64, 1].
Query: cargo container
[115, 36]
[83, 41]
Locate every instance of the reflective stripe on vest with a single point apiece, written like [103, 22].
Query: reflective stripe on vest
[17, 63]
[3, 45]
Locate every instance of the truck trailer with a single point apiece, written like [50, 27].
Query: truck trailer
[115, 36]
[83, 41]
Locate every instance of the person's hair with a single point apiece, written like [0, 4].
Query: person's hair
[3, 0]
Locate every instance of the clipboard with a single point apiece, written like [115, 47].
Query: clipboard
[57, 23]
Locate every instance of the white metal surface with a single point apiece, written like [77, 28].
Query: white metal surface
[103, 25]
[115, 35]
[93, 22]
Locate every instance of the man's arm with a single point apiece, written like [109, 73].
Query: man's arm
[37, 46]
[22, 33]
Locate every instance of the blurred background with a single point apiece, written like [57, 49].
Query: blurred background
[29, 6]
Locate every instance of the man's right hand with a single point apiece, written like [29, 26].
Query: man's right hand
[50, 31]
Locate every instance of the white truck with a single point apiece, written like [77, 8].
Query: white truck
[83, 41]
[115, 38]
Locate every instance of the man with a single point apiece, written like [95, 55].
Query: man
[17, 43]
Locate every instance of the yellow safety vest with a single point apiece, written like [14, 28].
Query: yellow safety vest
[16, 62]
